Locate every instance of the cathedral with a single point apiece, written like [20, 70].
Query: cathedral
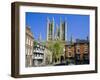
[55, 31]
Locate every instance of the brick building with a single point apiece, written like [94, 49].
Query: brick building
[70, 53]
[82, 52]
[77, 52]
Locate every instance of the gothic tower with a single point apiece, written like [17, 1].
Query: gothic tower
[63, 28]
[50, 29]
[60, 28]
[53, 23]
[48, 23]
[40, 37]
[66, 29]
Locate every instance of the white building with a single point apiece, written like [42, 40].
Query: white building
[38, 55]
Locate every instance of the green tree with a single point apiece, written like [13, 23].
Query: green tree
[57, 49]
[35, 43]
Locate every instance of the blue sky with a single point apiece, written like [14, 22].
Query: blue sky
[78, 25]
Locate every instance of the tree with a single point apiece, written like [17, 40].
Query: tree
[57, 49]
[35, 43]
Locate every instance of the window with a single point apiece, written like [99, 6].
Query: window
[78, 51]
[85, 49]
[69, 53]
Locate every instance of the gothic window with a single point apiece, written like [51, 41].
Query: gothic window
[78, 49]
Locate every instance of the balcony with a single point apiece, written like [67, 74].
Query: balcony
[38, 51]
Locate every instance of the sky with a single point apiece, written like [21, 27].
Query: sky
[77, 25]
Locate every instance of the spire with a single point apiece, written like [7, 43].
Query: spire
[71, 39]
[87, 38]
[66, 28]
[39, 38]
[60, 28]
[53, 28]
[48, 22]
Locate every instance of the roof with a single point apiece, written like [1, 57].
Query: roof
[78, 41]
[81, 41]
[69, 43]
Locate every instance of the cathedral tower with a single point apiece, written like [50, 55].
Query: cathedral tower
[63, 30]
[60, 32]
[50, 29]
